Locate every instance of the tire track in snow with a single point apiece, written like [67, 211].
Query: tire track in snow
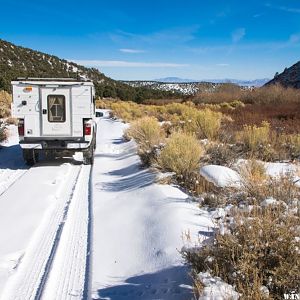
[67, 279]
[9, 177]
[31, 278]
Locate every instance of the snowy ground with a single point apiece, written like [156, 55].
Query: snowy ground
[138, 226]
[134, 233]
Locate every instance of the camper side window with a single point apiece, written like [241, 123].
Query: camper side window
[56, 108]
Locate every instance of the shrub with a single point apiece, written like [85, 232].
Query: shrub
[208, 123]
[258, 186]
[272, 94]
[253, 136]
[101, 104]
[181, 155]
[5, 102]
[227, 92]
[253, 171]
[254, 177]
[148, 134]
[11, 121]
[221, 154]
[259, 249]
[127, 111]
[282, 188]
[205, 123]
[292, 143]
[3, 132]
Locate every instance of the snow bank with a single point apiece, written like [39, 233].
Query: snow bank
[277, 169]
[215, 288]
[221, 176]
[139, 226]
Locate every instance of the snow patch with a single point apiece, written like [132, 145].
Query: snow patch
[221, 176]
[268, 202]
[216, 289]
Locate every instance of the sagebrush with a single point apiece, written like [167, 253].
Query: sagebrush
[181, 154]
[149, 136]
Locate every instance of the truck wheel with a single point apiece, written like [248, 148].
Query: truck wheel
[88, 156]
[95, 144]
[30, 156]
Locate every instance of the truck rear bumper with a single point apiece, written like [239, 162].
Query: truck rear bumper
[55, 146]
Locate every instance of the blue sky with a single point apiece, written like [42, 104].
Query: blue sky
[153, 39]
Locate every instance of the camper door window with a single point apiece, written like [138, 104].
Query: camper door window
[56, 108]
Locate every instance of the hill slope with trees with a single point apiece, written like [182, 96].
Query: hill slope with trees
[290, 77]
[16, 61]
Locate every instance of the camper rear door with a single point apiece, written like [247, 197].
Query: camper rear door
[56, 111]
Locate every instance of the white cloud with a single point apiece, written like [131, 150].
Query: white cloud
[295, 38]
[284, 8]
[292, 42]
[222, 65]
[179, 35]
[238, 34]
[127, 50]
[127, 64]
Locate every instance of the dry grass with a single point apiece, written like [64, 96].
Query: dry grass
[291, 145]
[11, 121]
[254, 137]
[258, 186]
[149, 136]
[221, 154]
[206, 123]
[127, 111]
[265, 131]
[181, 155]
[5, 102]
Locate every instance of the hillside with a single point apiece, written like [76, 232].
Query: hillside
[290, 77]
[183, 88]
[250, 83]
[16, 61]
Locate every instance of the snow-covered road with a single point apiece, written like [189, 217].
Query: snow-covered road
[55, 214]
[44, 227]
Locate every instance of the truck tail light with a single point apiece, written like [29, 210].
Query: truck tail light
[87, 129]
[21, 126]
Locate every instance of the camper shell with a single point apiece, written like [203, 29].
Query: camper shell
[56, 116]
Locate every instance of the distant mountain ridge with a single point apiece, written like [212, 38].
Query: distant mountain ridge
[255, 82]
[290, 77]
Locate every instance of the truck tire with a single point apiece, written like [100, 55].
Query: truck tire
[88, 156]
[30, 156]
[95, 144]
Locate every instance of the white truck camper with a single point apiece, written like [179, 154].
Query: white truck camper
[56, 117]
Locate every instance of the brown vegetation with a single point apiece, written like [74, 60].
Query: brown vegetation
[148, 134]
[5, 102]
[181, 155]
[3, 132]
[258, 249]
